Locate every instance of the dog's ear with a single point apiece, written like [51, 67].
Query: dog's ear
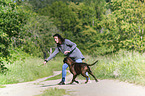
[64, 60]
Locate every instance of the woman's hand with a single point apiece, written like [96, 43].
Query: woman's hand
[66, 52]
[44, 62]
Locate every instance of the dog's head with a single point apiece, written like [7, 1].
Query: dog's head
[68, 60]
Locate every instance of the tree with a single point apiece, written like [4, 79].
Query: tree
[63, 17]
[124, 27]
[11, 23]
[39, 35]
[40, 4]
[75, 20]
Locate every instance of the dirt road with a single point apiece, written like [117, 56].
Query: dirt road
[101, 88]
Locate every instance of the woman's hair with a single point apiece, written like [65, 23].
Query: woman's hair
[60, 37]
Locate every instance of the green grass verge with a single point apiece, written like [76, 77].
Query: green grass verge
[54, 92]
[1, 86]
[56, 77]
[129, 66]
[29, 69]
[125, 66]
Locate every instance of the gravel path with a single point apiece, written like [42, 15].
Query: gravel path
[101, 88]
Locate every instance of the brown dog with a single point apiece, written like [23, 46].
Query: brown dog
[79, 68]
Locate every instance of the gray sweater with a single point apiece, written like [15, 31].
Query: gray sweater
[67, 45]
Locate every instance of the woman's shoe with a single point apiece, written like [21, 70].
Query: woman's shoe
[61, 83]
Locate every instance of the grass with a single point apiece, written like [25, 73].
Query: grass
[29, 69]
[54, 92]
[1, 86]
[124, 66]
[56, 77]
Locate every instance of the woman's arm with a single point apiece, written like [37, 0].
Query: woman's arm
[71, 44]
[53, 54]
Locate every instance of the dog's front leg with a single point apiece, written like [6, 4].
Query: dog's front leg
[77, 82]
[74, 77]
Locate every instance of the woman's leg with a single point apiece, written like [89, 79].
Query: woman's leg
[64, 67]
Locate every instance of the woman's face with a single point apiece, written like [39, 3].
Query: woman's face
[56, 39]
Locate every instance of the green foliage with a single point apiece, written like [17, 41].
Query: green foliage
[40, 4]
[62, 15]
[97, 27]
[39, 35]
[3, 69]
[71, 18]
[11, 23]
[122, 26]
[87, 33]
[35, 37]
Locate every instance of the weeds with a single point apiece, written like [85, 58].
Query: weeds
[54, 92]
[124, 66]
[29, 70]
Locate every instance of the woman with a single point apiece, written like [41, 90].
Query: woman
[68, 48]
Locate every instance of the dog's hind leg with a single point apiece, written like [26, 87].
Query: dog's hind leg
[84, 74]
[93, 76]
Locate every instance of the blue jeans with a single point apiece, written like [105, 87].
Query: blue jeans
[64, 67]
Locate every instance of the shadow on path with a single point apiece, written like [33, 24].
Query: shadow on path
[57, 85]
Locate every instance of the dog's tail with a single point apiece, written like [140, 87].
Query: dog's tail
[93, 63]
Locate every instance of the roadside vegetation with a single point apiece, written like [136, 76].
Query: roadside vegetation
[29, 68]
[1, 86]
[124, 66]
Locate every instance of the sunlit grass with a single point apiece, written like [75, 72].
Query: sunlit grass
[29, 69]
[1, 86]
[54, 92]
[56, 77]
[125, 66]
